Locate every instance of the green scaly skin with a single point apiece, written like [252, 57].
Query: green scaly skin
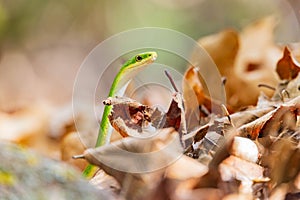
[129, 69]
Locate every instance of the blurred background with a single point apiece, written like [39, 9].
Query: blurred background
[43, 43]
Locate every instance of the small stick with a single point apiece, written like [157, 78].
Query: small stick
[266, 86]
[282, 93]
[78, 156]
[226, 114]
[171, 80]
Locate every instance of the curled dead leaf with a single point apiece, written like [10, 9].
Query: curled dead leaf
[286, 67]
[128, 117]
[272, 123]
[196, 99]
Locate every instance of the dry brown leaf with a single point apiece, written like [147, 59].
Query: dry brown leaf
[257, 57]
[114, 153]
[286, 67]
[284, 117]
[282, 160]
[137, 184]
[220, 127]
[246, 60]
[195, 97]
[223, 48]
[128, 117]
[243, 117]
[192, 82]
[175, 116]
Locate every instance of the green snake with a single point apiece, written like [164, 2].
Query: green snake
[121, 80]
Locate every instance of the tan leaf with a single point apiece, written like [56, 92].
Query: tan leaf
[234, 168]
[244, 148]
[128, 160]
[246, 60]
[111, 157]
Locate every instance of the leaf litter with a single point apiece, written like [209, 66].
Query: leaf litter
[247, 149]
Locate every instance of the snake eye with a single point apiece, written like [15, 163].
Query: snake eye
[138, 58]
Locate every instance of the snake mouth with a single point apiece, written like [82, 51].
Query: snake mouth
[154, 56]
[151, 59]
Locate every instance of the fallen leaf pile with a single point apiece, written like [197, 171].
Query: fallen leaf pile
[248, 149]
[198, 148]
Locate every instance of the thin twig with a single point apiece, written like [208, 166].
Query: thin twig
[267, 86]
[171, 80]
[225, 111]
[78, 157]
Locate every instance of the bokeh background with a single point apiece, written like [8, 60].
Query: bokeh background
[43, 43]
